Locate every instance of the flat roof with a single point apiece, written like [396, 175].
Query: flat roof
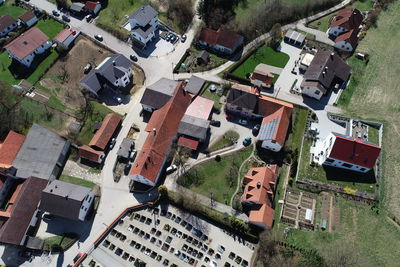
[201, 108]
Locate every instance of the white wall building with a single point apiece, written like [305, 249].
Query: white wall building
[143, 22]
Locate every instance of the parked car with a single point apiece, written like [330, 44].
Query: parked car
[215, 123]
[243, 122]
[133, 58]
[174, 39]
[132, 154]
[183, 38]
[127, 168]
[112, 143]
[55, 13]
[87, 68]
[169, 36]
[98, 37]
[247, 141]
[230, 117]
[171, 169]
[117, 99]
[88, 18]
[66, 18]
[256, 129]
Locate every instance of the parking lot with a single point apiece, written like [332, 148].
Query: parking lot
[169, 237]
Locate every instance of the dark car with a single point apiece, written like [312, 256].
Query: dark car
[183, 38]
[127, 168]
[133, 58]
[256, 129]
[215, 123]
[98, 37]
[66, 18]
[56, 13]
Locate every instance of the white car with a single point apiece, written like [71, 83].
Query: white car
[171, 169]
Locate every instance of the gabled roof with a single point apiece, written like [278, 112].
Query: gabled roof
[103, 135]
[295, 36]
[354, 151]
[241, 97]
[188, 142]
[89, 153]
[275, 126]
[349, 37]
[15, 228]
[144, 15]
[90, 5]
[6, 21]
[27, 16]
[159, 93]
[194, 127]
[9, 148]
[263, 214]
[347, 18]
[260, 73]
[162, 128]
[201, 108]
[27, 43]
[77, 7]
[221, 37]
[268, 105]
[63, 35]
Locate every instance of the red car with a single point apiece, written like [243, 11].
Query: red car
[230, 117]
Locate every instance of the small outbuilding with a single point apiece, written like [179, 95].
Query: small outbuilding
[203, 57]
[294, 38]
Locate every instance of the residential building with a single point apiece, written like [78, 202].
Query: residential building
[274, 127]
[258, 195]
[194, 85]
[77, 8]
[143, 22]
[8, 151]
[294, 38]
[28, 19]
[95, 151]
[220, 41]
[18, 219]
[347, 41]
[7, 24]
[43, 154]
[162, 130]
[261, 78]
[158, 94]
[113, 73]
[65, 37]
[67, 200]
[348, 153]
[242, 100]
[28, 45]
[92, 7]
[327, 71]
[203, 57]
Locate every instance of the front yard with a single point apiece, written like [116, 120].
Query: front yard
[13, 11]
[266, 55]
[216, 179]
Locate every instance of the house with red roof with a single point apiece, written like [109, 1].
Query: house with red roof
[261, 77]
[258, 195]
[7, 24]
[92, 7]
[348, 153]
[162, 130]
[220, 41]
[28, 19]
[9, 149]
[65, 37]
[29, 44]
[347, 41]
[95, 151]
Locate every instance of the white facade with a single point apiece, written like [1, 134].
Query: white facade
[85, 207]
[134, 35]
[312, 91]
[124, 80]
[336, 31]
[67, 41]
[8, 29]
[27, 61]
[271, 145]
[140, 179]
[343, 45]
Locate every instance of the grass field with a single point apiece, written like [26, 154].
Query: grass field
[377, 97]
[50, 27]
[214, 177]
[212, 96]
[265, 55]
[14, 11]
[78, 181]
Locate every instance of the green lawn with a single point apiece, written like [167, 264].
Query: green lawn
[78, 181]
[332, 175]
[224, 141]
[216, 178]
[212, 96]
[50, 27]
[266, 55]
[14, 11]
[62, 242]
[5, 74]
[373, 135]
[364, 5]
[357, 69]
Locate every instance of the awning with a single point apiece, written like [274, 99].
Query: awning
[187, 142]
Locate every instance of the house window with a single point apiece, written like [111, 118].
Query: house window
[317, 92]
[335, 32]
[347, 165]
[342, 46]
[329, 160]
[82, 207]
[85, 209]
[362, 169]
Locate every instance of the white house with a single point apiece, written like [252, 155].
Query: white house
[29, 44]
[143, 22]
[28, 19]
[65, 37]
[347, 152]
[7, 24]
[67, 200]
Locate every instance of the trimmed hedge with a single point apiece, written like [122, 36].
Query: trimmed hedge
[183, 58]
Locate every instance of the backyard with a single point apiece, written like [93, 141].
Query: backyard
[190, 63]
[216, 179]
[13, 11]
[212, 95]
[266, 55]
[229, 138]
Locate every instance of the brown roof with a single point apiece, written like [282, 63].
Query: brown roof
[208, 36]
[14, 230]
[162, 129]
[263, 214]
[108, 127]
[268, 105]
[91, 5]
[326, 67]
[89, 153]
[27, 16]
[27, 42]
[9, 148]
[264, 77]
[6, 21]
[282, 116]
[347, 18]
[63, 35]
[349, 37]
[221, 37]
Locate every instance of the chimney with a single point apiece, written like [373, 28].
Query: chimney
[326, 68]
[332, 54]
[154, 131]
[323, 74]
[113, 62]
[258, 185]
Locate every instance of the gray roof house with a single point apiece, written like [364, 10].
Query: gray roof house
[158, 94]
[125, 148]
[194, 85]
[77, 7]
[66, 200]
[194, 127]
[43, 154]
[114, 72]
[143, 22]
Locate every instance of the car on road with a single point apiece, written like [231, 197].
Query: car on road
[133, 58]
[183, 38]
[112, 143]
[66, 18]
[171, 169]
[174, 39]
[127, 168]
[243, 122]
[132, 154]
[88, 18]
[98, 37]
[215, 123]
[87, 68]
[247, 141]
[256, 129]
[55, 13]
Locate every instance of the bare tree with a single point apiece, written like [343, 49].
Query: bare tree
[63, 74]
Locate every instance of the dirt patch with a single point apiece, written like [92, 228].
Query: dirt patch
[63, 78]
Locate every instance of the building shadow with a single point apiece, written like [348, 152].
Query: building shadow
[149, 49]
[342, 175]
[10, 256]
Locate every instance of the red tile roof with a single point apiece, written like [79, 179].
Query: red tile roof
[188, 142]
[103, 135]
[27, 42]
[221, 37]
[263, 214]
[9, 148]
[283, 115]
[208, 36]
[354, 151]
[162, 129]
[347, 18]
[350, 37]
[89, 153]
[6, 21]
[27, 16]
[91, 5]
[262, 76]
[63, 35]
[201, 108]
[268, 105]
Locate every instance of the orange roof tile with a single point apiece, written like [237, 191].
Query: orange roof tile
[262, 214]
[9, 148]
[103, 135]
[258, 182]
[283, 117]
[89, 153]
[201, 107]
